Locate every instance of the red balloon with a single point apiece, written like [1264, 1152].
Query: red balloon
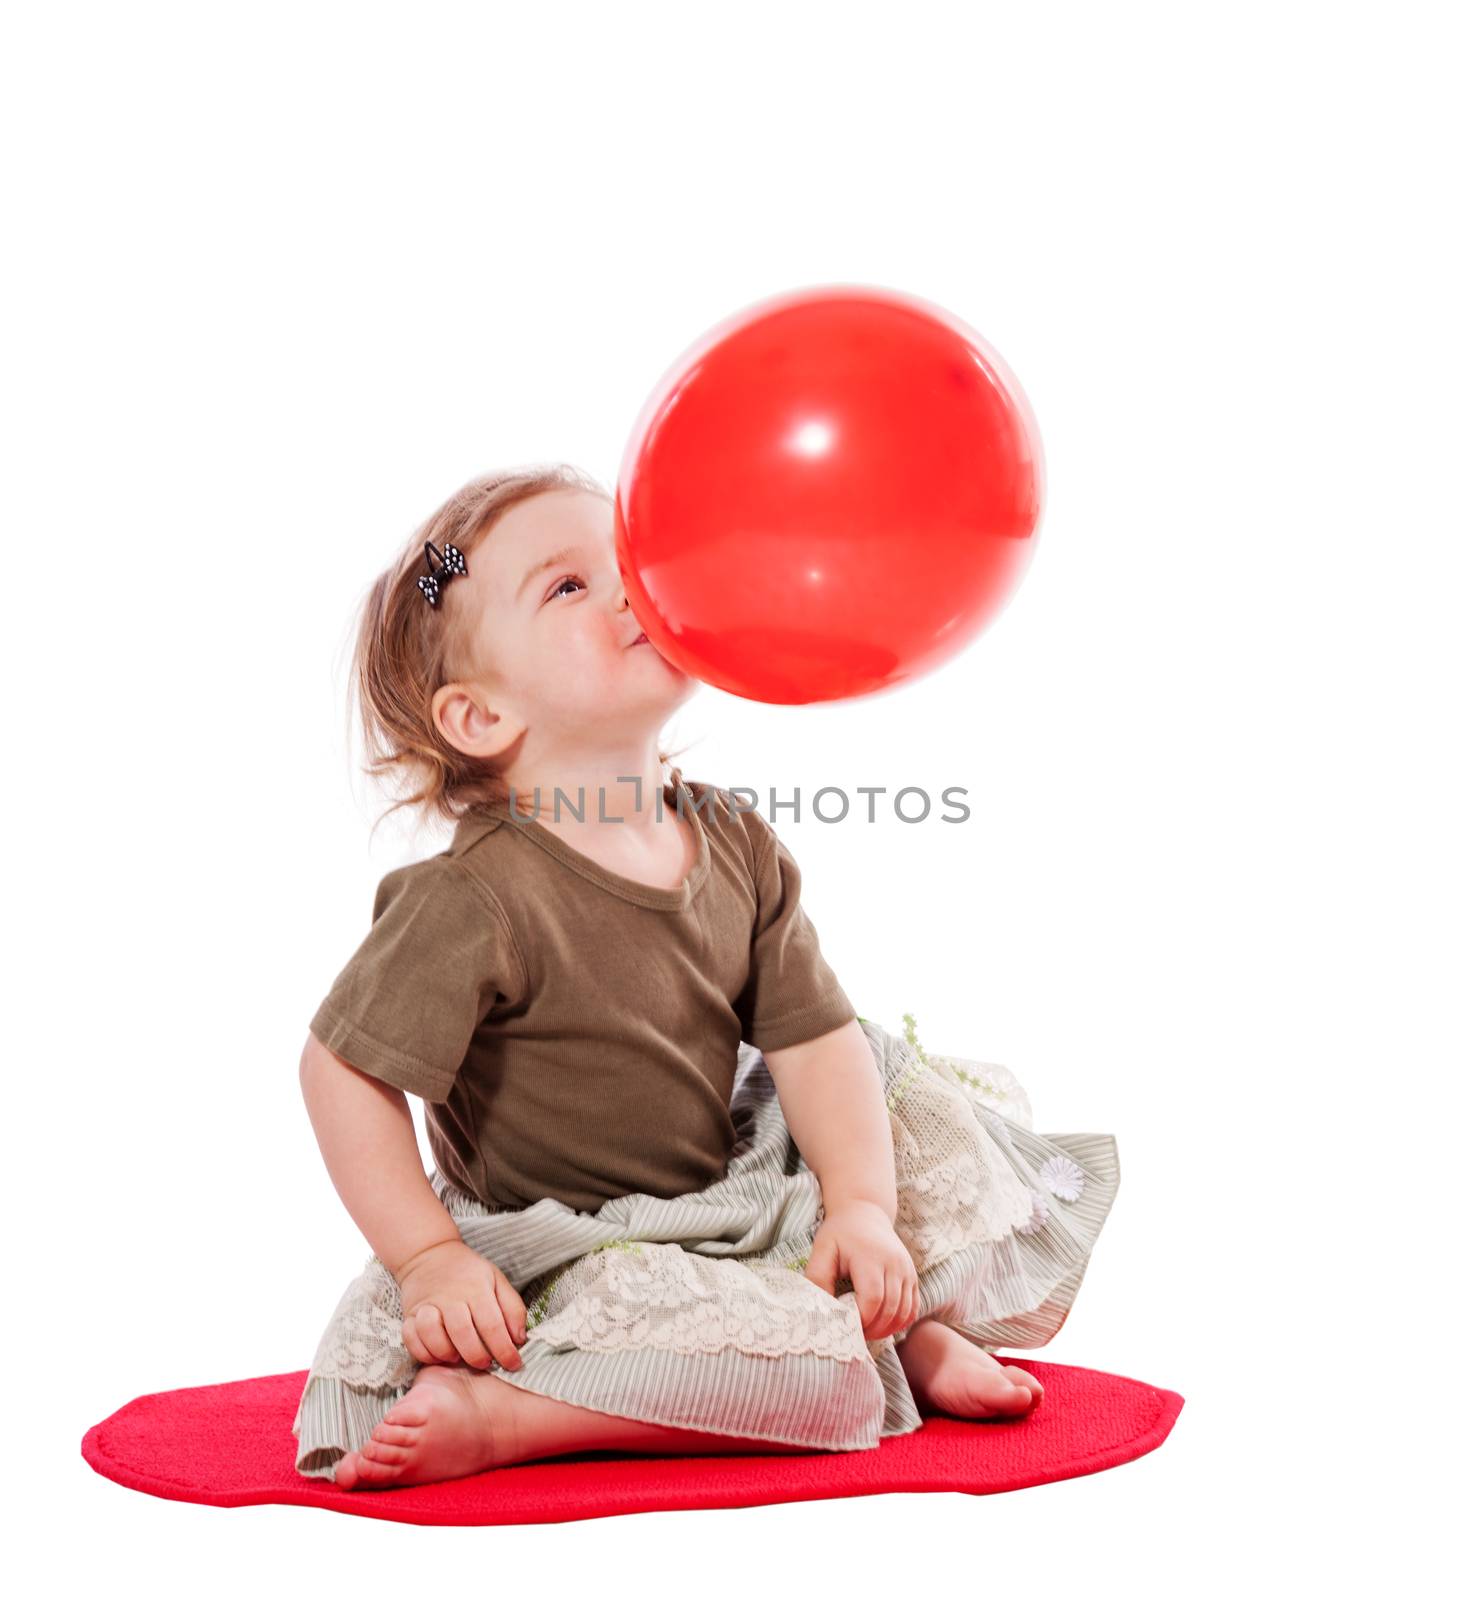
[829, 494]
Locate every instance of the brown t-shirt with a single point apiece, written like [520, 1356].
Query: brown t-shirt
[572, 1032]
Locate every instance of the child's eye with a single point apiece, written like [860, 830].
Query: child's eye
[561, 582]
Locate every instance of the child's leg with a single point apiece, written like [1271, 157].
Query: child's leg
[555, 1427]
[456, 1421]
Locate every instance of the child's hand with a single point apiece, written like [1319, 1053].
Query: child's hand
[857, 1241]
[460, 1307]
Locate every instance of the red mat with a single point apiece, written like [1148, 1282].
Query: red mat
[230, 1444]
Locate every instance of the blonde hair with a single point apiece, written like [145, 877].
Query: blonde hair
[406, 649]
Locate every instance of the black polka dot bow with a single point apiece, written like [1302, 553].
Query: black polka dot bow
[452, 565]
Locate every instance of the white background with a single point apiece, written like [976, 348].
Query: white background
[282, 277]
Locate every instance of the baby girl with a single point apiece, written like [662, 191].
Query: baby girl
[685, 1199]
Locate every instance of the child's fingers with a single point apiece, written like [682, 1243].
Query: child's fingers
[429, 1329]
[491, 1324]
[894, 1294]
[892, 1286]
[462, 1324]
[900, 1304]
[511, 1317]
[513, 1307]
[870, 1290]
[414, 1344]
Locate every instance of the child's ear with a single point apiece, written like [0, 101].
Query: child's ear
[469, 721]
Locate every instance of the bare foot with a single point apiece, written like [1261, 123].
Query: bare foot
[453, 1422]
[948, 1373]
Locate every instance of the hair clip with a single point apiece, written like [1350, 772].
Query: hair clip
[452, 564]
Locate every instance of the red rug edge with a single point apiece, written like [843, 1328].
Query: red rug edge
[350, 1503]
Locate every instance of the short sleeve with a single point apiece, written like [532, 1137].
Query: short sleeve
[791, 994]
[438, 956]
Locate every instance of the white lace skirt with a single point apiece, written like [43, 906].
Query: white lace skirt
[694, 1312]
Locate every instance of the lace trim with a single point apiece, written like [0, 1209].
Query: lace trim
[954, 1186]
[644, 1296]
[364, 1342]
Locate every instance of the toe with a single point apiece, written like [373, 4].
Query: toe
[391, 1433]
[1024, 1379]
[391, 1455]
[410, 1412]
[371, 1470]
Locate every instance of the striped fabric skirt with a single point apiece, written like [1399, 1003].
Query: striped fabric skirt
[695, 1312]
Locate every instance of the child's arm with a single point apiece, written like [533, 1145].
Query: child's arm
[366, 1136]
[837, 1113]
[457, 1305]
[833, 1103]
